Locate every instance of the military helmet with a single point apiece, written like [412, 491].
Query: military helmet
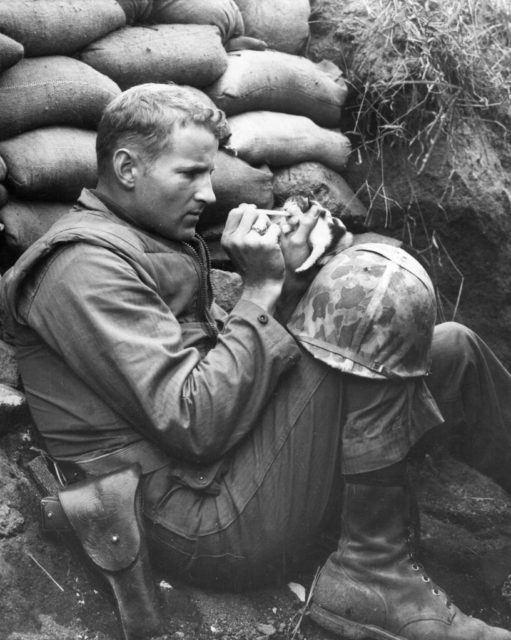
[370, 311]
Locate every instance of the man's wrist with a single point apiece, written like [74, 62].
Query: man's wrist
[265, 296]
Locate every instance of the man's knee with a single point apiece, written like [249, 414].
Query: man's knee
[453, 345]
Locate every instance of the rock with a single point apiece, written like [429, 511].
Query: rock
[226, 288]
[11, 521]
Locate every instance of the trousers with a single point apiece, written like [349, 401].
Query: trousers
[281, 486]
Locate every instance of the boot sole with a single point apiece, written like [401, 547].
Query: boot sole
[348, 629]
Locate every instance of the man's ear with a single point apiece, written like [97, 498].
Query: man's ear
[126, 167]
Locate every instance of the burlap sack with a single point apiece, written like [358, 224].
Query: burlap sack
[11, 52]
[4, 195]
[46, 27]
[275, 81]
[282, 24]
[52, 90]
[324, 184]
[52, 163]
[136, 10]
[222, 13]
[234, 182]
[182, 53]
[280, 139]
[27, 221]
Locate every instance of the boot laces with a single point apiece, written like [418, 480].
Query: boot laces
[418, 567]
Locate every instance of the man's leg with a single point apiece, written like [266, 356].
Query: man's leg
[473, 390]
[283, 480]
[276, 492]
[372, 586]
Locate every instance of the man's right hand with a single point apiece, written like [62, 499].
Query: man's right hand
[257, 256]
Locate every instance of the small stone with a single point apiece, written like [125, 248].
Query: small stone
[11, 521]
[266, 629]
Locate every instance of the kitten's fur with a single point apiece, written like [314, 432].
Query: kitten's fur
[328, 236]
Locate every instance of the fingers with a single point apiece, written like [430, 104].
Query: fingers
[272, 234]
[306, 224]
[244, 215]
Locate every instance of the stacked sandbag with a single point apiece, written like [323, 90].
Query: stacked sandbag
[48, 27]
[52, 90]
[282, 24]
[50, 104]
[279, 139]
[50, 163]
[223, 14]
[275, 81]
[181, 53]
[26, 221]
[284, 110]
[11, 52]
[235, 181]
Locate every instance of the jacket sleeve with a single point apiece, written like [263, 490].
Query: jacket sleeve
[119, 336]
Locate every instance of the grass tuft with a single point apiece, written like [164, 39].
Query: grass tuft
[424, 64]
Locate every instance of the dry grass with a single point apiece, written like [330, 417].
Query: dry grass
[424, 64]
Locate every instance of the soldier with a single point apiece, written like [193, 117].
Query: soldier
[245, 435]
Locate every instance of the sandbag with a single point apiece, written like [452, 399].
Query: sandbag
[182, 53]
[51, 163]
[3, 170]
[282, 24]
[324, 184]
[46, 27]
[52, 90]
[4, 195]
[222, 13]
[11, 52]
[275, 81]
[26, 221]
[280, 139]
[235, 181]
[136, 10]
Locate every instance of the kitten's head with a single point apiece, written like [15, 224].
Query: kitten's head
[328, 236]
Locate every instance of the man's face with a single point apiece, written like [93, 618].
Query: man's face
[172, 191]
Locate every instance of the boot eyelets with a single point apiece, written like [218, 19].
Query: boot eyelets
[436, 592]
[425, 579]
[415, 567]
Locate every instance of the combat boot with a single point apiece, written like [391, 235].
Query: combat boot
[372, 588]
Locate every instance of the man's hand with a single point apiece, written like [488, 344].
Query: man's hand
[256, 254]
[294, 241]
[295, 246]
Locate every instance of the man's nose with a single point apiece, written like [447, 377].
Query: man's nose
[205, 191]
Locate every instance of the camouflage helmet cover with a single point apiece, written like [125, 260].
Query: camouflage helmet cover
[370, 312]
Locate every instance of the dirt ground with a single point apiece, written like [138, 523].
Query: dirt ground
[48, 592]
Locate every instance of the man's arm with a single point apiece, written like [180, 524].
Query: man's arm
[118, 335]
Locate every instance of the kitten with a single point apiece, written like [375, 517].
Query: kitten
[328, 236]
